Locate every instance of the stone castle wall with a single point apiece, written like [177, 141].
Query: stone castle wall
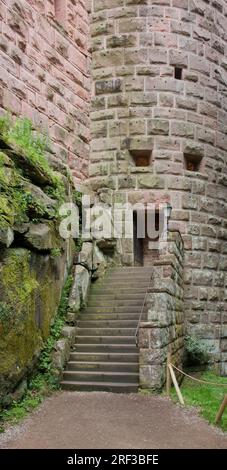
[162, 327]
[44, 71]
[160, 86]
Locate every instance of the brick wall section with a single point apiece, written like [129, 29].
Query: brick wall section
[163, 328]
[138, 104]
[44, 72]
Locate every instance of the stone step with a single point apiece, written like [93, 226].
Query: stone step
[117, 283]
[113, 323]
[117, 296]
[93, 376]
[134, 278]
[105, 348]
[115, 303]
[96, 331]
[119, 290]
[133, 269]
[103, 366]
[93, 317]
[105, 357]
[125, 309]
[95, 339]
[100, 386]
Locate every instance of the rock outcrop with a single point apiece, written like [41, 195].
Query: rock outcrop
[34, 260]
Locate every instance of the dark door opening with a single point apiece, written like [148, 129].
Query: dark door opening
[144, 254]
[137, 242]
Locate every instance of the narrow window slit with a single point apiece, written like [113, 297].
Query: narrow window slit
[178, 73]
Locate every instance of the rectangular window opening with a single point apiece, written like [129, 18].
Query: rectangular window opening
[192, 162]
[141, 158]
[178, 73]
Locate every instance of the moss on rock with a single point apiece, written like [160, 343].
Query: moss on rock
[31, 278]
[30, 288]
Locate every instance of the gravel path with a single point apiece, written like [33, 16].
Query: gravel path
[105, 420]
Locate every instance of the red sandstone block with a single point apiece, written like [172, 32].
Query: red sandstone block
[158, 24]
[73, 73]
[81, 41]
[36, 41]
[38, 58]
[82, 26]
[31, 98]
[59, 134]
[9, 33]
[28, 111]
[49, 9]
[11, 102]
[41, 103]
[61, 8]
[32, 82]
[77, 59]
[3, 12]
[165, 39]
[4, 76]
[45, 30]
[38, 5]
[17, 24]
[66, 85]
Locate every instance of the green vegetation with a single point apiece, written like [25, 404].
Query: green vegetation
[5, 313]
[33, 144]
[45, 365]
[44, 381]
[55, 252]
[18, 286]
[197, 352]
[22, 160]
[19, 410]
[206, 397]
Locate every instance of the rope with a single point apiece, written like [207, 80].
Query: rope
[197, 380]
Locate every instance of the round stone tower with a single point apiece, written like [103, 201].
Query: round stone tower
[159, 133]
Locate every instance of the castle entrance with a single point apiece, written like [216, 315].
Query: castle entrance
[143, 254]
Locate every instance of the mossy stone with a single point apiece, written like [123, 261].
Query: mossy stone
[30, 290]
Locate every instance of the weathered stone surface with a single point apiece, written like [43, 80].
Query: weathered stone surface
[99, 262]
[80, 288]
[44, 205]
[168, 103]
[69, 332]
[152, 377]
[33, 171]
[61, 353]
[30, 287]
[151, 182]
[45, 74]
[162, 326]
[6, 236]
[86, 254]
[42, 237]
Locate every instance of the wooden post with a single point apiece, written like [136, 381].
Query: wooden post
[221, 410]
[173, 377]
[168, 376]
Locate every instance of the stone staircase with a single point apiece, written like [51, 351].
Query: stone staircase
[105, 356]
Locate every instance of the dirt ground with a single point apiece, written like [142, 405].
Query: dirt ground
[104, 420]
